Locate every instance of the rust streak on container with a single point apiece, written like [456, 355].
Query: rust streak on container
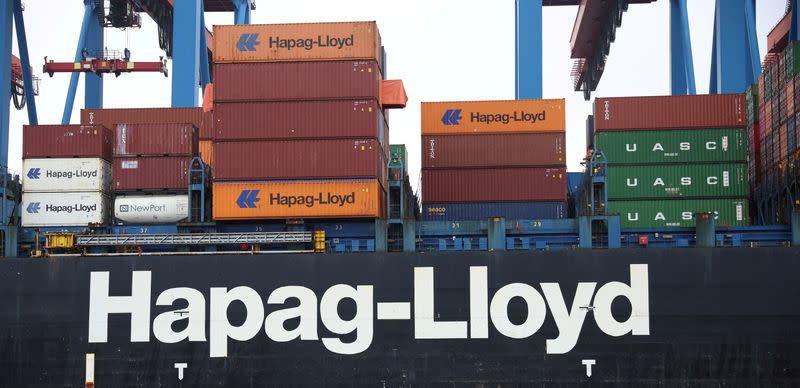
[306, 159]
[493, 150]
[670, 112]
[155, 139]
[67, 141]
[297, 81]
[151, 173]
[297, 120]
[494, 185]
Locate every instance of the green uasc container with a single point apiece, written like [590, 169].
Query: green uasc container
[792, 60]
[677, 181]
[673, 146]
[398, 152]
[677, 213]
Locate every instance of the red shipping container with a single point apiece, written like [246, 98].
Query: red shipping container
[67, 141]
[494, 185]
[279, 81]
[155, 139]
[670, 112]
[203, 121]
[305, 159]
[151, 173]
[493, 150]
[298, 120]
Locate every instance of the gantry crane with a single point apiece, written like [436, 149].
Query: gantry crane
[182, 35]
[735, 57]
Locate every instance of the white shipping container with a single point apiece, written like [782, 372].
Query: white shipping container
[66, 174]
[151, 209]
[64, 209]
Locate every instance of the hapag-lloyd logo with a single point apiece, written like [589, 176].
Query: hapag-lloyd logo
[190, 307]
[311, 43]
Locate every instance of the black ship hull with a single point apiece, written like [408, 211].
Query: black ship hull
[639, 318]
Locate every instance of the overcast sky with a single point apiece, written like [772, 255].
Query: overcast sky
[443, 50]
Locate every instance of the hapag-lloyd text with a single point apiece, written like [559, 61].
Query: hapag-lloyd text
[309, 311]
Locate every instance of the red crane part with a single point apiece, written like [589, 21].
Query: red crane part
[99, 66]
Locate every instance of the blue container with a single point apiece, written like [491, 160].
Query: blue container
[574, 180]
[482, 211]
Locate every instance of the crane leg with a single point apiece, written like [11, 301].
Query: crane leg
[88, 13]
[528, 59]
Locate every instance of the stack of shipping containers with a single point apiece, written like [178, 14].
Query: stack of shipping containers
[66, 175]
[203, 121]
[299, 129]
[671, 157]
[772, 104]
[484, 159]
[151, 172]
[402, 201]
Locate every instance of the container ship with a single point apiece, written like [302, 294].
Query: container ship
[273, 236]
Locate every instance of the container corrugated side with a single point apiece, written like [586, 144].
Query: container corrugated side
[680, 180]
[670, 112]
[156, 139]
[493, 150]
[206, 148]
[677, 146]
[678, 212]
[151, 209]
[301, 159]
[297, 120]
[513, 116]
[67, 141]
[519, 184]
[296, 42]
[203, 121]
[64, 209]
[298, 199]
[66, 174]
[483, 211]
[151, 173]
[238, 82]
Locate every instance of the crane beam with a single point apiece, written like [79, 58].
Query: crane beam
[735, 56]
[6, 20]
[25, 64]
[682, 62]
[528, 59]
[186, 29]
[88, 14]
[104, 66]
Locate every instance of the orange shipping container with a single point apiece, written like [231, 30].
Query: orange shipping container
[297, 42]
[515, 116]
[298, 199]
[207, 152]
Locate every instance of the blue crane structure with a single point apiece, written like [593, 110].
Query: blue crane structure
[735, 57]
[182, 35]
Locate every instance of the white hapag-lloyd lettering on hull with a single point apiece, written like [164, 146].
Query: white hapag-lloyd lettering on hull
[568, 318]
